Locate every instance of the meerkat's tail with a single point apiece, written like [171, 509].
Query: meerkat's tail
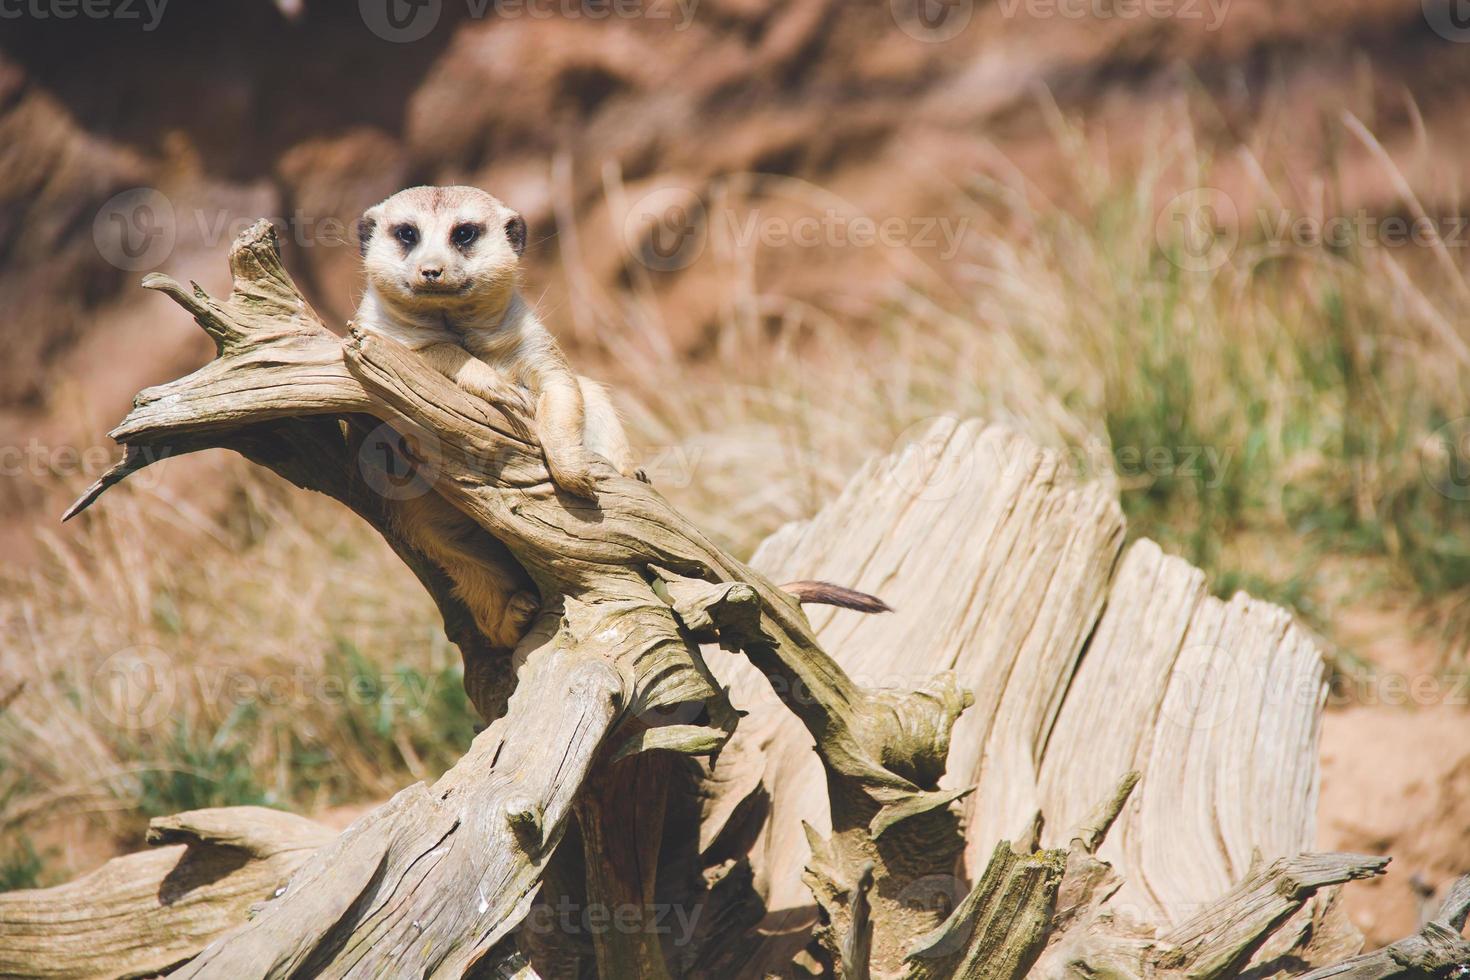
[835, 595]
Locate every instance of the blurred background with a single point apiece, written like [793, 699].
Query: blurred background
[1214, 251]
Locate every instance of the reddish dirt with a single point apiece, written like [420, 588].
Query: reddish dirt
[1396, 772]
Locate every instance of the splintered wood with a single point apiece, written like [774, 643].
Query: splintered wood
[1084, 665]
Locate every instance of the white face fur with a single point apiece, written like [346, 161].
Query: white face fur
[433, 253]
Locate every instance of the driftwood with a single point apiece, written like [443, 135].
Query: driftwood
[143, 913]
[584, 789]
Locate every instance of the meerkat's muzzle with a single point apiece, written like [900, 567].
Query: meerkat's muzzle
[437, 285]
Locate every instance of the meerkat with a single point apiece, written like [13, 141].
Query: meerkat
[442, 267]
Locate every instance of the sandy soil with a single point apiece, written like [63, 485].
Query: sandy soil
[1396, 772]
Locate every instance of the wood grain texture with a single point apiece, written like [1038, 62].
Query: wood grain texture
[1084, 665]
[1219, 704]
[996, 565]
[143, 913]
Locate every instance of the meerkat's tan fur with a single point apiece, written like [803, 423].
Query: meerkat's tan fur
[442, 267]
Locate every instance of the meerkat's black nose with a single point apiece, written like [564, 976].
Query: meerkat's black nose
[431, 273]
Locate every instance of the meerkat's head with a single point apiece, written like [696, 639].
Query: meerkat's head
[451, 251]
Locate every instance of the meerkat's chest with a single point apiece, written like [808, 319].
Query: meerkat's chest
[504, 351]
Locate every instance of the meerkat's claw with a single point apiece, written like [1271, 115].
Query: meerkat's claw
[521, 610]
[571, 470]
[481, 392]
[507, 629]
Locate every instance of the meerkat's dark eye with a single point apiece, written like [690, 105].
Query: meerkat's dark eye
[463, 236]
[408, 235]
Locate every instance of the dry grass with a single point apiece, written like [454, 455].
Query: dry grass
[1294, 401]
[171, 660]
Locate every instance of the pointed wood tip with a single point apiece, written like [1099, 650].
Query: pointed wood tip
[83, 502]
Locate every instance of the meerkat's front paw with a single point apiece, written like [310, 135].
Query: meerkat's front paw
[506, 631]
[486, 388]
[571, 470]
[477, 378]
[520, 611]
[483, 392]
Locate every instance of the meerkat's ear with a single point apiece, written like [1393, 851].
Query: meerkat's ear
[515, 233]
[365, 227]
